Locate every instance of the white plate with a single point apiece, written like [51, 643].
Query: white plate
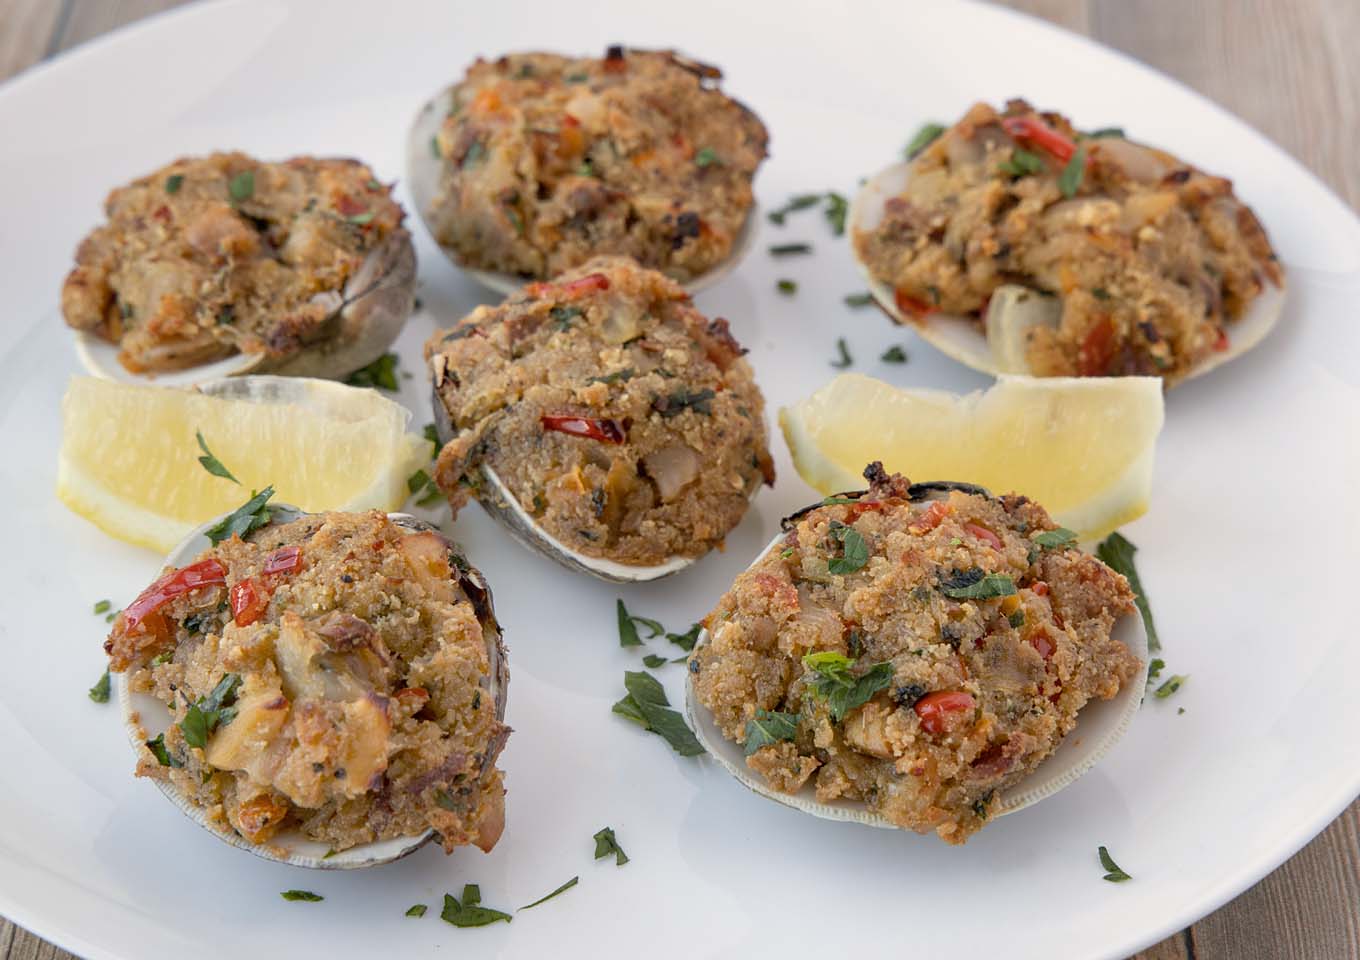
[1248, 552]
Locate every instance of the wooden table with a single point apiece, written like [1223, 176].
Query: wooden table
[1289, 68]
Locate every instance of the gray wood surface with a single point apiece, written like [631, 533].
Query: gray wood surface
[1291, 68]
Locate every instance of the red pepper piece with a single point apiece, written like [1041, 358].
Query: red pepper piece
[572, 290]
[603, 430]
[248, 602]
[1040, 134]
[284, 560]
[1043, 643]
[1222, 343]
[931, 517]
[982, 533]
[940, 709]
[1096, 350]
[205, 573]
[912, 307]
[1040, 589]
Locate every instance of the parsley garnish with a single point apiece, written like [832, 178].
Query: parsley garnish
[434, 147]
[706, 157]
[416, 911]
[836, 209]
[686, 640]
[306, 896]
[1055, 539]
[973, 584]
[628, 635]
[174, 182]
[251, 515]
[858, 299]
[833, 682]
[606, 843]
[845, 359]
[562, 316]
[769, 726]
[894, 354]
[211, 463]
[786, 287]
[927, 135]
[566, 886]
[1170, 686]
[469, 912]
[855, 553]
[789, 249]
[242, 186]
[1118, 553]
[421, 481]
[798, 202]
[207, 713]
[1114, 874]
[381, 373]
[647, 706]
[682, 400]
[360, 219]
[1155, 668]
[99, 693]
[432, 435]
[102, 606]
[1069, 181]
[159, 751]
[654, 660]
[627, 373]
[1016, 619]
[1104, 132]
[1022, 163]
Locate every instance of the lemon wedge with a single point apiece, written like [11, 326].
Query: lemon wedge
[129, 460]
[1082, 447]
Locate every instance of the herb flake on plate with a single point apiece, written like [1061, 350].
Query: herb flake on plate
[786, 287]
[797, 202]
[686, 640]
[654, 660]
[103, 606]
[418, 910]
[858, 300]
[306, 896]
[1117, 553]
[381, 373]
[1170, 686]
[99, 693]
[469, 912]
[894, 354]
[1113, 872]
[647, 706]
[790, 249]
[211, 463]
[768, 727]
[562, 889]
[836, 209]
[250, 516]
[844, 359]
[606, 843]
[628, 634]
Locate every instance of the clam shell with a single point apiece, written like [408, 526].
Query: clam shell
[369, 314]
[144, 716]
[422, 178]
[1100, 725]
[960, 339]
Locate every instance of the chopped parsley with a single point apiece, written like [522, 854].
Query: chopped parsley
[566, 886]
[973, 584]
[1118, 553]
[855, 552]
[422, 483]
[1022, 163]
[686, 640]
[790, 249]
[844, 360]
[1055, 539]
[360, 219]
[1155, 668]
[1016, 619]
[798, 202]
[209, 712]
[1170, 686]
[161, 753]
[562, 316]
[1104, 132]
[99, 693]
[627, 373]
[836, 209]
[832, 681]
[707, 157]
[381, 373]
[211, 463]
[416, 911]
[628, 634]
[647, 706]
[1069, 181]
[606, 843]
[1113, 872]
[174, 182]
[858, 299]
[925, 136]
[306, 896]
[654, 660]
[434, 147]
[103, 606]
[786, 287]
[242, 186]
[681, 400]
[251, 515]
[769, 726]
[469, 912]
[894, 354]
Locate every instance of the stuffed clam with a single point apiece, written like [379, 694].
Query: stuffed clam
[922, 656]
[1017, 244]
[222, 265]
[604, 420]
[324, 690]
[533, 163]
